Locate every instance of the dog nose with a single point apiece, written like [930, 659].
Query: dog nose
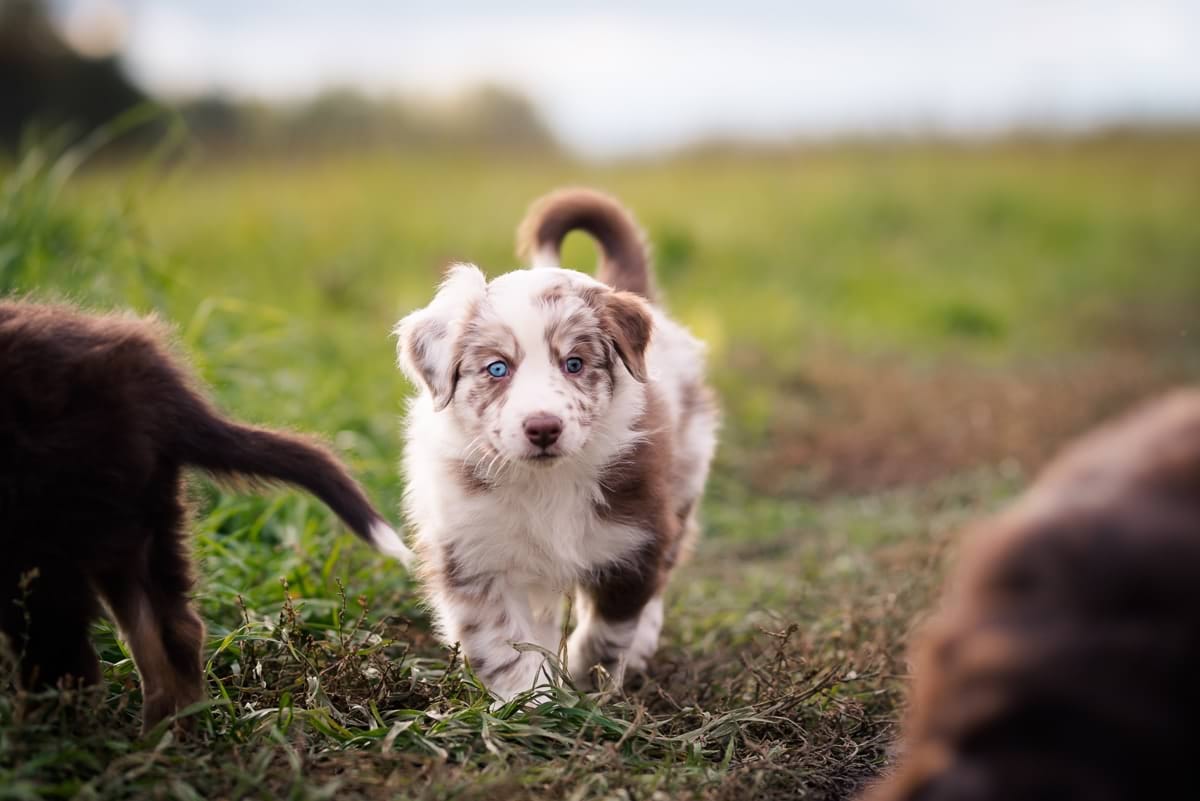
[543, 430]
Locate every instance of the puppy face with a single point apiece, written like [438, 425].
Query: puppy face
[528, 364]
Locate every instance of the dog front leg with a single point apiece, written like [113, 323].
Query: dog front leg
[619, 619]
[487, 618]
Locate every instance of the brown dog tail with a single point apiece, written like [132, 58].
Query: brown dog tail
[625, 258]
[229, 449]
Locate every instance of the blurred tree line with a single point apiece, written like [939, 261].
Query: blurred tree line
[46, 85]
[341, 118]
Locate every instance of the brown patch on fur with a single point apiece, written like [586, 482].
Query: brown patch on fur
[486, 669]
[575, 333]
[484, 334]
[470, 317]
[636, 492]
[626, 321]
[471, 481]
[485, 393]
[418, 346]
[695, 399]
[603, 327]
[455, 578]
[1063, 663]
[553, 294]
[625, 259]
[452, 570]
[441, 380]
[485, 340]
[621, 590]
[605, 374]
[97, 423]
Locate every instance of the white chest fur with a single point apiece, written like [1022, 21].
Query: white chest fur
[540, 525]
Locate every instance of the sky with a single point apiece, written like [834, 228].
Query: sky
[625, 77]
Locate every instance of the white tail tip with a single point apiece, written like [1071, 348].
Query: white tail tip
[545, 256]
[389, 543]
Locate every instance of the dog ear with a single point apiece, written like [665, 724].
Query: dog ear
[427, 339]
[628, 321]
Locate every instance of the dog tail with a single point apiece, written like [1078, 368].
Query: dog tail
[625, 257]
[228, 449]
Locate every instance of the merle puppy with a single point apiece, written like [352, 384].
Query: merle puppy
[560, 445]
[1064, 662]
[97, 424]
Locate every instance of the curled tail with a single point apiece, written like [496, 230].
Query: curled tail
[229, 449]
[625, 259]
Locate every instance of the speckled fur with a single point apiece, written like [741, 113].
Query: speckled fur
[503, 536]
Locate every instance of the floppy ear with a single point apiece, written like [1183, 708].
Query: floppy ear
[427, 346]
[626, 318]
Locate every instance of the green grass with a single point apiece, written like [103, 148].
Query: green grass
[1038, 269]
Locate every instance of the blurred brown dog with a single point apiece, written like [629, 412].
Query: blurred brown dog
[1065, 663]
[98, 422]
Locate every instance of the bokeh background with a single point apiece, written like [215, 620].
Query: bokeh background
[927, 243]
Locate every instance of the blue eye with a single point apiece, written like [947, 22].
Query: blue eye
[573, 364]
[497, 369]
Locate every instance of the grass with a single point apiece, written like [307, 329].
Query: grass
[899, 335]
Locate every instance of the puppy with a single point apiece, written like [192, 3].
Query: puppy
[97, 423]
[560, 444]
[1064, 663]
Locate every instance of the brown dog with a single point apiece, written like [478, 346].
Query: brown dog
[1066, 661]
[97, 423]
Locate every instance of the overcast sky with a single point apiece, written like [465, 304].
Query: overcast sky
[623, 77]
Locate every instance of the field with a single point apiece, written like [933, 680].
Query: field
[900, 335]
